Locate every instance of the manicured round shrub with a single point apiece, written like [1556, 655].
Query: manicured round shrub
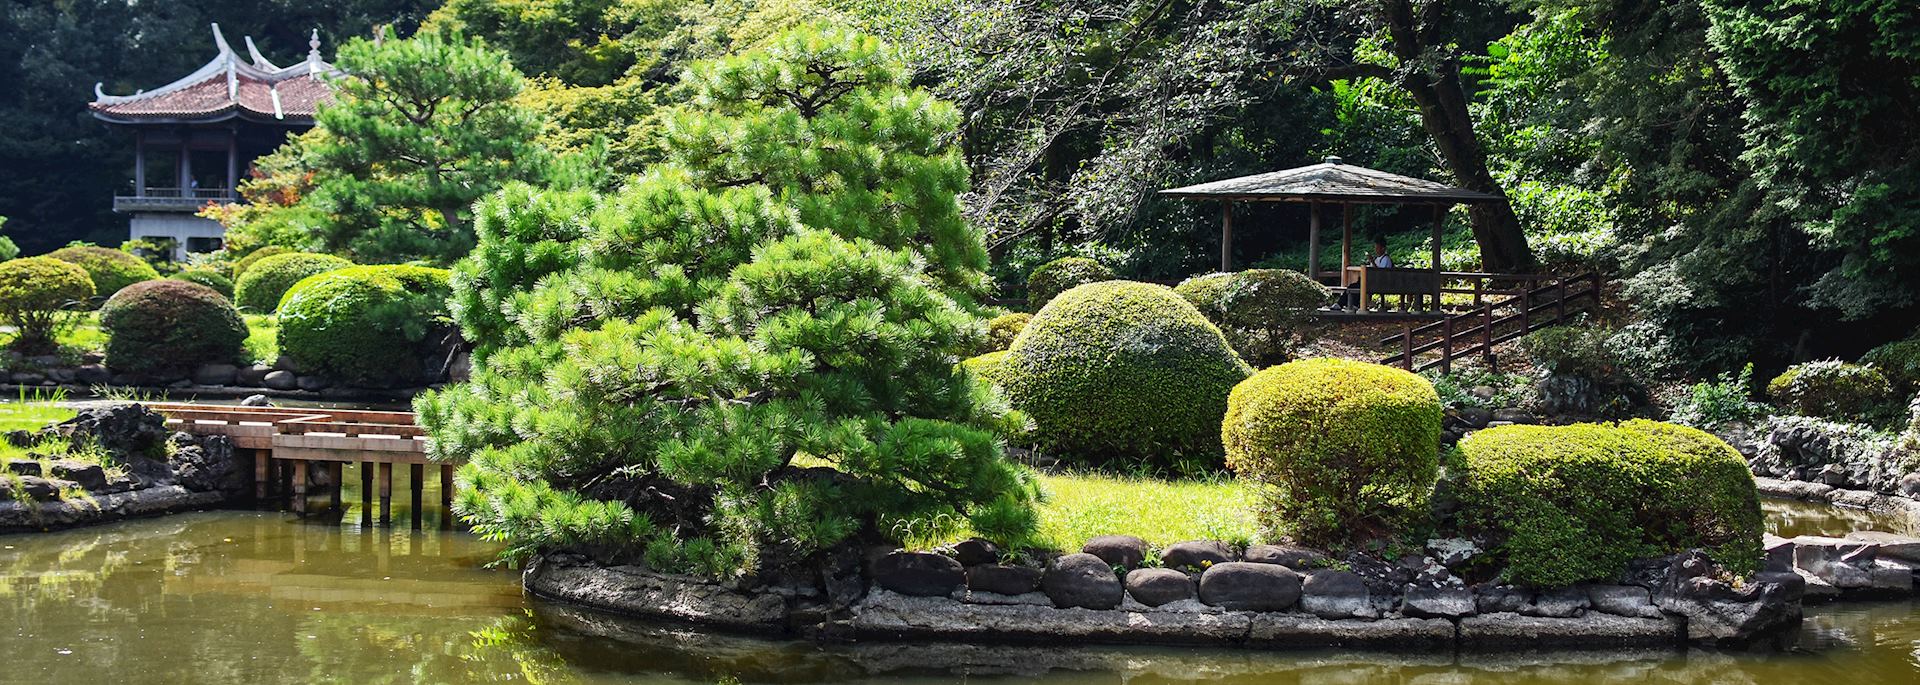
[240, 267]
[1569, 504]
[210, 278]
[1899, 362]
[110, 269]
[1205, 292]
[1830, 389]
[1120, 370]
[1055, 277]
[364, 324]
[1348, 450]
[1257, 309]
[35, 294]
[1004, 328]
[987, 366]
[260, 288]
[170, 326]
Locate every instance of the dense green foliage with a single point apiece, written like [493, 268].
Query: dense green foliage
[988, 366]
[1061, 275]
[35, 295]
[266, 281]
[366, 325]
[1259, 310]
[1002, 329]
[1584, 370]
[1569, 504]
[170, 326]
[239, 266]
[1831, 389]
[1347, 451]
[210, 278]
[1714, 403]
[110, 269]
[1899, 361]
[749, 355]
[1118, 372]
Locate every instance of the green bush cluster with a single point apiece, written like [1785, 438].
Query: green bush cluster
[1121, 371]
[239, 267]
[1061, 275]
[1727, 399]
[264, 284]
[1002, 329]
[987, 366]
[170, 326]
[364, 324]
[37, 295]
[210, 278]
[1899, 361]
[1347, 450]
[1570, 504]
[110, 269]
[1583, 371]
[1831, 389]
[1259, 310]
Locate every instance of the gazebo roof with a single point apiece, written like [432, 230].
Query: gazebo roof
[1331, 181]
[225, 88]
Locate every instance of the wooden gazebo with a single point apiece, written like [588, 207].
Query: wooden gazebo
[1333, 182]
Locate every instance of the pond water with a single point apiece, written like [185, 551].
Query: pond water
[255, 597]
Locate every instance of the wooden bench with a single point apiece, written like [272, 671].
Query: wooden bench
[1418, 288]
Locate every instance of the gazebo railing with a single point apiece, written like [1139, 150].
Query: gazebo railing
[1542, 302]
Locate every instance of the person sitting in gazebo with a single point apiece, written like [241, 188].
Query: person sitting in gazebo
[1380, 260]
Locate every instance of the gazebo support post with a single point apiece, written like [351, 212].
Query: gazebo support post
[1226, 236]
[1346, 240]
[1313, 241]
[1439, 219]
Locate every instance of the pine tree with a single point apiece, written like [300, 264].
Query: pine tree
[747, 356]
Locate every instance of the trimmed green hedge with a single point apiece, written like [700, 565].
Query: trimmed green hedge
[364, 324]
[1350, 450]
[110, 269]
[261, 287]
[1899, 362]
[1123, 371]
[240, 267]
[987, 366]
[170, 326]
[1570, 504]
[1004, 328]
[34, 291]
[1831, 389]
[1058, 276]
[210, 278]
[1257, 309]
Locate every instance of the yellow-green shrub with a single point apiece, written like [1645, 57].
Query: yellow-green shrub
[1004, 328]
[210, 278]
[1052, 278]
[1259, 310]
[1120, 370]
[1348, 450]
[110, 269]
[364, 324]
[1567, 504]
[37, 296]
[1830, 389]
[1899, 362]
[987, 366]
[261, 287]
[239, 268]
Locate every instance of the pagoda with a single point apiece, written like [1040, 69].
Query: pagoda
[196, 138]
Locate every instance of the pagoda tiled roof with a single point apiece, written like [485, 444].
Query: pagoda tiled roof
[228, 87]
[1331, 181]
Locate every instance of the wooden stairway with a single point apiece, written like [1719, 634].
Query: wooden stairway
[1534, 302]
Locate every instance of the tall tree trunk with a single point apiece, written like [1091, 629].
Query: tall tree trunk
[1432, 77]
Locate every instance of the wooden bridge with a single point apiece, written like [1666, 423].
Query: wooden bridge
[1504, 307]
[287, 443]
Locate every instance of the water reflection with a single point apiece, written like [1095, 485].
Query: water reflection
[1787, 518]
[247, 597]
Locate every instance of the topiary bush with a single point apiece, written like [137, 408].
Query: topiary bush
[262, 286]
[1055, 277]
[1121, 371]
[1004, 328]
[1899, 362]
[170, 326]
[1259, 310]
[1831, 389]
[210, 278]
[366, 325]
[110, 269]
[239, 267]
[1347, 450]
[1571, 504]
[987, 366]
[37, 296]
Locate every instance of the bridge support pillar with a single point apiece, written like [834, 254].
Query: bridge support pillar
[366, 494]
[416, 484]
[386, 493]
[300, 486]
[446, 496]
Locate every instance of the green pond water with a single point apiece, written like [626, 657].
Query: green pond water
[256, 597]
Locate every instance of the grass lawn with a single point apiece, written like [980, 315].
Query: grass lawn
[1082, 506]
[32, 411]
[262, 344]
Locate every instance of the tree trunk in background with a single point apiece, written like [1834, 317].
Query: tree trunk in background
[1437, 87]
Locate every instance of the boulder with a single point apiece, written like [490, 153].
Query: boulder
[1196, 554]
[215, 374]
[312, 383]
[211, 465]
[1452, 551]
[1559, 603]
[1891, 546]
[1475, 417]
[1124, 551]
[1447, 602]
[921, 574]
[1500, 599]
[61, 375]
[1084, 581]
[40, 489]
[1247, 586]
[1718, 613]
[1623, 600]
[23, 467]
[975, 551]
[256, 401]
[1332, 594]
[92, 374]
[1512, 415]
[1156, 586]
[252, 376]
[281, 379]
[86, 475]
[122, 429]
[1003, 579]
[1297, 558]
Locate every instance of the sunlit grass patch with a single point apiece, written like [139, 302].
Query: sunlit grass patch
[33, 410]
[263, 337]
[1083, 506]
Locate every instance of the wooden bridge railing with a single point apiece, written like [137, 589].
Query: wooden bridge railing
[1531, 303]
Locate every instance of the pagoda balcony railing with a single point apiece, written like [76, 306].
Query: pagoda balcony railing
[172, 199]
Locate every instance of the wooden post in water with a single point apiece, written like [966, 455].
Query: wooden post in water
[338, 470]
[446, 496]
[260, 475]
[386, 493]
[415, 484]
[300, 486]
[366, 494]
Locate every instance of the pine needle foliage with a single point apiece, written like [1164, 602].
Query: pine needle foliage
[747, 356]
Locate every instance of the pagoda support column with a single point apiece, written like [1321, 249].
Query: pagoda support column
[186, 164]
[233, 160]
[139, 163]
